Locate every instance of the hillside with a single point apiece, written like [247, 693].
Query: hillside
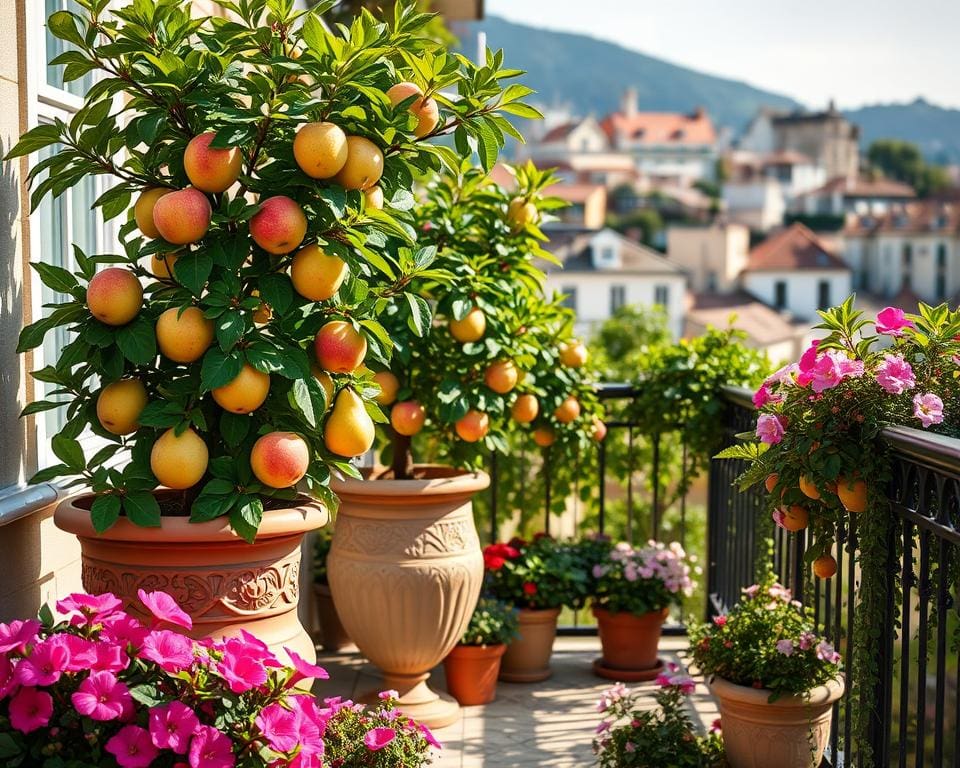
[936, 130]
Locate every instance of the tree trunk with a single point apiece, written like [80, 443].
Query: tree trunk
[402, 465]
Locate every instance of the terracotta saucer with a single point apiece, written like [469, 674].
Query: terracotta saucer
[627, 675]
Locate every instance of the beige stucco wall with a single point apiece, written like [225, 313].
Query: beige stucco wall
[40, 563]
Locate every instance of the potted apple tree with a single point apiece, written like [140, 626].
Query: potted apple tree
[267, 159]
[475, 335]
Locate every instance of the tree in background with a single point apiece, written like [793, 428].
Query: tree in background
[903, 161]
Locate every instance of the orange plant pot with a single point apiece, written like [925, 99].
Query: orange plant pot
[471, 672]
[224, 583]
[527, 659]
[333, 637]
[629, 642]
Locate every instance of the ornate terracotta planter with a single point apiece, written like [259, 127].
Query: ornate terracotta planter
[224, 583]
[333, 637]
[471, 672]
[527, 659]
[629, 643]
[791, 732]
[405, 570]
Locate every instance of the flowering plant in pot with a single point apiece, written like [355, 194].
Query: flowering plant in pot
[634, 589]
[103, 688]
[632, 735]
[270, 160]
[774, 677]
[538, 577]
[333, 637]
[472, 667]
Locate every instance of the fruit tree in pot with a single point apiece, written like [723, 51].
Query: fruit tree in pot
[260, 166]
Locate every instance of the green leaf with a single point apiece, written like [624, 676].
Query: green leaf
[49, 473]
[137, 341]
[219, 368]
[36, 138]
[246, 516]
[210, 507]
[54, 277]
[308, 397]
[230, 328]
[277, 291]
[192, 270]
[39, 406]
[147, 694]
[234, 428]
[69, 452]
[63, 25]
[105, 511]
[420, 318]
[142, 509]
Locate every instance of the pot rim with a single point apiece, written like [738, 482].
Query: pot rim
[441, 480]
[824, 694]
[599, 612]
[307, 516]
[535, 615]
[478, 651]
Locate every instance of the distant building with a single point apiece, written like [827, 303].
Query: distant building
[842, 196]
[602, 270]
[828, 138]
[759, 205]
[913, 248]
[713, 256]
[587, 204]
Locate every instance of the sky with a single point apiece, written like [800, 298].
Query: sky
[854, 51]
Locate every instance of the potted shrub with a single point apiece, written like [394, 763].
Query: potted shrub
[333, 637]
[473, 336]
[630, 733]
[472, 667]
[774, 678]
[269, 159]
[538, 578]
[103, 688]
[633, 592]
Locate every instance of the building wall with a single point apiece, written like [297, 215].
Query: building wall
[827, 141]
[883, 269]
[802, 289]
[713, 257]
[759, 205]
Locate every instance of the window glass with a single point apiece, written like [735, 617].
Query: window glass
[570, 296]
[55, 46]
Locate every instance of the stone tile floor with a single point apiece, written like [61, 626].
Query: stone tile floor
[542, 724]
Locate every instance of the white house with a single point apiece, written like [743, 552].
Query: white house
[603, 270]
[841, 196]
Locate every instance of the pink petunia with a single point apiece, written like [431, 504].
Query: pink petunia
[891, 321]
[8, 678]
[165, 609]
[131, 747]
[210, 748]
[928, 408]
[428, 735]
[826, 652]
[172, 725]
[831, 368]
[770, 428]
[124, 630]
[785, 647]
[17, 635]
[30, 709]
[102, 697]
[279, 727]
[303, 669]
[46, 663]
[895, 375]
[377, 738]
[170, 650]
[93, 609]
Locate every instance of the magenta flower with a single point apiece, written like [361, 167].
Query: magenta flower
[377, 738]
[770, 428]
[387, 695]
[165, 608]
[806, 640]
[785, 647]
[429, 737]
[892, 320]
[102, 697]
[211, 749]
[17, 635]
[303, 669]
[895, 375]
[928, 408]
[46, 662]
[826, 652]
[124, 630]
[30, 709]
[131, 747]
[8, 678]
[809, 358]
[93, 609]
[241, 672]
[763, 396]
[170, 650]
[279, 727]
[830, 369]
[172, 725]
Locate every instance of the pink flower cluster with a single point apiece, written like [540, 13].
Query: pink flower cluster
[153, 692]
[674, 677]
[666, 563]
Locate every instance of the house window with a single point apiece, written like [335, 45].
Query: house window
[907, 254]
[618, 297]
[569, 296]
[823, 294]
[661, 295]
[941, 287]
[712, 281]
[941, 255]
[607, 254]
[780, 294]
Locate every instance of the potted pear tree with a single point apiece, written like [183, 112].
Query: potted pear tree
[217, 360]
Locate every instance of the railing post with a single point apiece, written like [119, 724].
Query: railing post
[655, 517]
[547, 489]
[494, 484]
[602, 474]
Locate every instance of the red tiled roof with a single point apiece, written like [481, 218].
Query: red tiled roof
[661, 127]
[917, 218]
[761, 322]
[793, 248]
[865, 188]
[559, 132]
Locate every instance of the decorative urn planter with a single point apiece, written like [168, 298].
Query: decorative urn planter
[333, 637]
[629, 644]
[471, 672]
[527, 659]
[224, 583]
[405, 570]
[790, 732]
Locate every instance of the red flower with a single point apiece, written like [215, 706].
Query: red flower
[720, 620]
[529, 588]
[493, 562]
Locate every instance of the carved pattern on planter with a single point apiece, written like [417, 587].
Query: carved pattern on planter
[204, 593]
[406, 538]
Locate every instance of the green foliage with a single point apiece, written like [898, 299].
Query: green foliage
[492, 623]
[647, 220]
[902, 161]
[542, 573]
[766, 641]
[343, 737]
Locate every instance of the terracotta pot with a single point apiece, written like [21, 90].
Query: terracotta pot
[629, 642]
[333, 637]
[224, 583]
[527, 659]
[791, 732]
[405, 570]
[471, 672]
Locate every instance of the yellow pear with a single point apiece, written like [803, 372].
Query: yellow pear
[349, 430]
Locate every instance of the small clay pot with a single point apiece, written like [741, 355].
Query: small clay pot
[527, 659]
[471, 672]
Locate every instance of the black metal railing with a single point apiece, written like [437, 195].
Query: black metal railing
[914, 718]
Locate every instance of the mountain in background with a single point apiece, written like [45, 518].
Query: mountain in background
[589, 76]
